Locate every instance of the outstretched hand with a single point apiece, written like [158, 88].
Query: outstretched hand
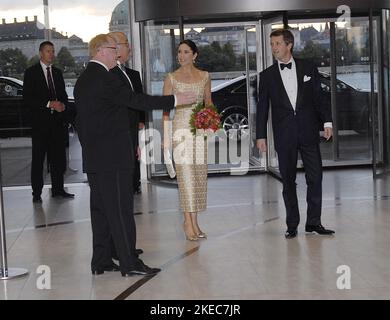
[187, 97]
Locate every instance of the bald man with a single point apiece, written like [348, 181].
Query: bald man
[132, 79]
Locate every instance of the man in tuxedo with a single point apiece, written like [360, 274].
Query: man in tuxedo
[132, 79]
[298, 112]
[44, 92]
[102, 121]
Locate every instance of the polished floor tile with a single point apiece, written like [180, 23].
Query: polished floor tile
[244, 257]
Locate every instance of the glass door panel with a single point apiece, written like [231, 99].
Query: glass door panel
[268, 26]
[353, 91]
[160, 40]
[228, 52]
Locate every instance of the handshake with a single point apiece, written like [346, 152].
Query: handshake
[186, 97]
[57, 106]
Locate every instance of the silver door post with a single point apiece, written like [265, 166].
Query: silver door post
[5, 273]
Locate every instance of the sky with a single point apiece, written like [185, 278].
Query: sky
[84, 18]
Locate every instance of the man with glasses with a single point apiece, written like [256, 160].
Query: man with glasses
[102, 103]
[137, 118]
[131, 78]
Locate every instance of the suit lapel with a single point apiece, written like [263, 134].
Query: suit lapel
[126, 77]
[300, 74]
[42, 77]
[280, 86]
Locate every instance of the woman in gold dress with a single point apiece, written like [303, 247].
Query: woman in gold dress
[189, 151]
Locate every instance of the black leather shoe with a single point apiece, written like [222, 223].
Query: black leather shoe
[140, 269]
[110, 268]
[291, 233]
[319, 229]
[137, 252]
[37, 199]
[137, 190]
[62, 194]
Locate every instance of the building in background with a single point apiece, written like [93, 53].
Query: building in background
[28, 35]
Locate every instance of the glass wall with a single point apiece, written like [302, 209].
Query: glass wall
[160, 41]
[353, 90]
[69, 26]
[381, 115]
[228, 52]
[347, 51]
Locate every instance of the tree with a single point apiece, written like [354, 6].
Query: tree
[12, 62]
[65, 60]
[215, 58]
[317, 53]
[34, 60]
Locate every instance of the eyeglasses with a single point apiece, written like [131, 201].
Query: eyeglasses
[114, 48]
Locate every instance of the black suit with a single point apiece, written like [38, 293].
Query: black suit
[102, 102]
[48, 127]
[135, 116]
[295, 131]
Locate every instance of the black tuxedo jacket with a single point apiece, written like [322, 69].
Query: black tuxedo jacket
[36, 96]
[102, 101]
[312, 109]
[135, 78]
[135, 116]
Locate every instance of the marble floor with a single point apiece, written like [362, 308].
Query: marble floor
[245, 256]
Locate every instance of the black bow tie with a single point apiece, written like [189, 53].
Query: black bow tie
[285, 65]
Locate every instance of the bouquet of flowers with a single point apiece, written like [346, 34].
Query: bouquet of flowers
[205, 118]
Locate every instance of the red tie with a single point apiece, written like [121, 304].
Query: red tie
[52, 90]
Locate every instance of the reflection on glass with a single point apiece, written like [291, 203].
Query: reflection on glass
[353, 89]
[223, 53]
[21, 32]
[353, 83]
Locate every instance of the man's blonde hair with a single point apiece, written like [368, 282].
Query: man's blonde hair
[118, 36]
[97, 42]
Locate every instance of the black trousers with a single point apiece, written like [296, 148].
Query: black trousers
[137, 174]
[311, 157]
[112, 215]
[49, 141]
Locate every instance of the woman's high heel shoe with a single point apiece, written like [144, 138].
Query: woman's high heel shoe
[190, 236]
[202, 235]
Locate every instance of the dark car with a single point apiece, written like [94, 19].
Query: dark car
[15, 116]
[230, 98]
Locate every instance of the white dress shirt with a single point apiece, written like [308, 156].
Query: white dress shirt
[290, 82]
[123, 69]
[44, 69]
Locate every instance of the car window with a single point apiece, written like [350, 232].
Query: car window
[8, 89]
[241, 88]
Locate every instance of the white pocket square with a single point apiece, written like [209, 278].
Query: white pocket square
[306, 79]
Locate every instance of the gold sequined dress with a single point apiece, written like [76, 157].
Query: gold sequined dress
[189, 151]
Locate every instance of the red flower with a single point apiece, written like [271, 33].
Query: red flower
[205, 118]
